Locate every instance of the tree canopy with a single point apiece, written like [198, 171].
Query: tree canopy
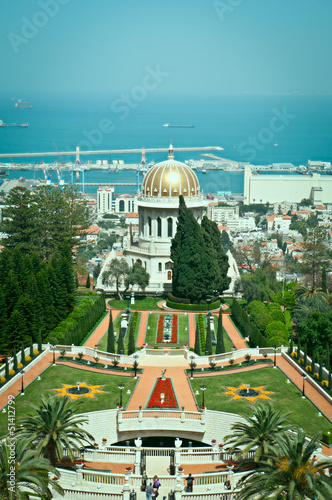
[199, 262]
[120, 274]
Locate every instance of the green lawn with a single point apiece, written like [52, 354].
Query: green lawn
[150, 336]
[286, 397]
[116, 328]
[55, 376]
[183, 335]
[145, 303]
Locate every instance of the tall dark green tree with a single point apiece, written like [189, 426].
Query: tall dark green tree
[6, 368]
[208, 341]
[131, 340]
[216, 253]
[110, 336]
[220, 347]
[324, 280]
[305, 356]
[22, 354]
[120, 343]
[88, 283]
[197, 348]
[14, 360]
[193, 271]
[31, 348]
[40, 342]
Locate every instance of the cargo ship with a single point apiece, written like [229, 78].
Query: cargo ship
[178, 126]
[13, 125]
[21, 105]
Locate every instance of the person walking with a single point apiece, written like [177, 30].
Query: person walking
[144, 481]
[148, 492]
[190, 482]
[156, 484]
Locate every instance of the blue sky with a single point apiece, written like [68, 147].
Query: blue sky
[83, 47]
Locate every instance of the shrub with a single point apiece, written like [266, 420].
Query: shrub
[301, 361]
[96, 359]
[19, 366]
[316, 376]
[27, 359]
[231, 362]
[247, 357]
[308, 369]
[2, 380]
[35, 352]
[80, 356]
[294, 354]
[325, 383]
[63, 352]
[11, 372]
[327, 437]
[115, 362]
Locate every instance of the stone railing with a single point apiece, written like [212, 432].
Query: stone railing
[150, 419]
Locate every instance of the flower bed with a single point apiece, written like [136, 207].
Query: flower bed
[160, 328]
[174, 329]
[163, 387]
[244, 364]
[104, 366]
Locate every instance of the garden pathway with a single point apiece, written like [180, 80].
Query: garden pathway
[232, 332]
[142, 328]
[191, 322]
[175, 366]
[101, 329]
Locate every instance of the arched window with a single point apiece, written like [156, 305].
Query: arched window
[159, 266]
[121, 206]
[170, 227]
[149, 226]
[159, 227]
[169, 275]
[139, 262]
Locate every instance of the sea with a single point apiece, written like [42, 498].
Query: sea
[260, 129]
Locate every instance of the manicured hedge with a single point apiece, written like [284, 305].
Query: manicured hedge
[74, 328]
[193, 307]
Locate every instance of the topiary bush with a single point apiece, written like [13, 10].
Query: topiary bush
[11, 372]
[2, 380]
[27, 359]
[35, 352]
[327, 437]
[19, 366]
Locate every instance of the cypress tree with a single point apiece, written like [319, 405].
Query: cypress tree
[120, 342]
[40, 341]
[291, 345]
[197, 348]
[305, 356]
[208, 341]
[320, 370]
[7, 368]
[220, 347]
[22, 354]
[330, 379]
[298, 349]
[14, 360]
[110, 336]
[77, 282]
[88, 284]
[131, 341]
[328, 361]
[313, 363]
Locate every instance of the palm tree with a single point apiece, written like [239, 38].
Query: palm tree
[260, 431]
[55, 426]
[288, 472]
[22, 472]
[302, 293]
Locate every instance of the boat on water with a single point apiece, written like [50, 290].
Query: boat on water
[13, 125]
[20, 105]
[178, 126]
[3, 173]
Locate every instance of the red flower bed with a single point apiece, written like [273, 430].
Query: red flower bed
[174, 328]
[165, 387]
[160, 328]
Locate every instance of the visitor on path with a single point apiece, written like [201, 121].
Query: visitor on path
[144, 481]
[190, 482]
[156, 484]
[149, 491]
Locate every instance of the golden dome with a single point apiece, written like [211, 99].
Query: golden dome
[170, 178]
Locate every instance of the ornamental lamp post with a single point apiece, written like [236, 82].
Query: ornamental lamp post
[275, 357]
[121, 387]
[22, 386]
[303, 378]
[203, 388]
